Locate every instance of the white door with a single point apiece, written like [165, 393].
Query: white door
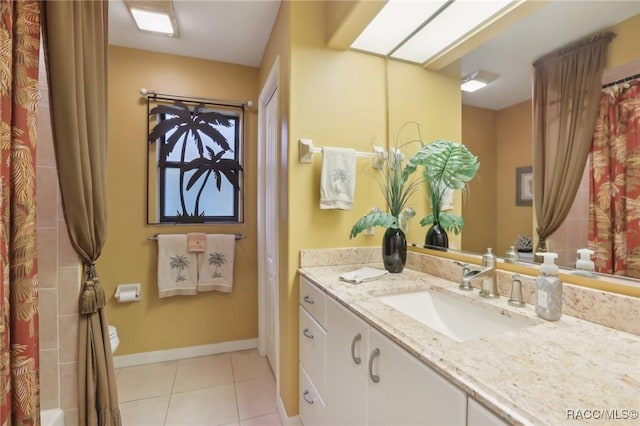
[271, 221]
[268, 232]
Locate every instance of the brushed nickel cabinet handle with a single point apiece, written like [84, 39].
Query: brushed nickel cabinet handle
[374, 377]
[308, 299]
[307, 333]
[355, 340]
[305, 396]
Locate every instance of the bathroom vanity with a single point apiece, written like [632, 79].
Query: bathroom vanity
[367, 358]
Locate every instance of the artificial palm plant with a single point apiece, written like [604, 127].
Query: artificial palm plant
[446, 166]
[396, 186]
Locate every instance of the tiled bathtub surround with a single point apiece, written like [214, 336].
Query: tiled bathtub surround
[528, 376]
[609, 309]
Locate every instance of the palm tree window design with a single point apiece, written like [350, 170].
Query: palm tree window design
[197, 162]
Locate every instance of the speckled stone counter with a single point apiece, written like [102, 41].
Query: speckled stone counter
[535, 375]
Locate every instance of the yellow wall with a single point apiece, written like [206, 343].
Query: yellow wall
[433, 101]
[339, 98]
[514, 149]
[625, 47]
[479, 208]
[128, 256]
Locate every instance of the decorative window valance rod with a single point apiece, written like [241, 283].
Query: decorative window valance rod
[167, 96]
[622, 80]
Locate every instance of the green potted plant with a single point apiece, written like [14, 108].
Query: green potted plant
[446, 166]
[397, 186]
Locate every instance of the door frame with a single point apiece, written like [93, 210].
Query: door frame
[269, 88]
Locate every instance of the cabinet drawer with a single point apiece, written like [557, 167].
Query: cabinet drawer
[312, 407]
[314, 301]
[313, 346]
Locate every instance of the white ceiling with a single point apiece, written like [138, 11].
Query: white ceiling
[236, 31]
[511, 53]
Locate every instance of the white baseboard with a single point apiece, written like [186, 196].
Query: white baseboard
[181, 353]
[284, 419]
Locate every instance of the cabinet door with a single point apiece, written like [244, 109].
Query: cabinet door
[347, 383]
[478, 415]
[408, 392]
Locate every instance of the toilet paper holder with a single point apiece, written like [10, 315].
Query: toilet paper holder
[128, 292]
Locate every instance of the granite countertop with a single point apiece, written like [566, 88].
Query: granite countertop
[547, 373]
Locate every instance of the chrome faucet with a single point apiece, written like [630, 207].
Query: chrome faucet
[489, 287]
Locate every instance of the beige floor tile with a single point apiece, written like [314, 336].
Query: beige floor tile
[146, 381]
[256, 397]
[145, 412]
[249, 365]
[203, 407]
[269, 420]
[203, 372]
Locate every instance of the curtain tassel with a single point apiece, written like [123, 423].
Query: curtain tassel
[93, 297]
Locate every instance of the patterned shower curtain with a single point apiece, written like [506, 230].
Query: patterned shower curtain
[19, 351]
[614, 208]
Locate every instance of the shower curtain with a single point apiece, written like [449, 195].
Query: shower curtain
[614, 207]
[19, 348]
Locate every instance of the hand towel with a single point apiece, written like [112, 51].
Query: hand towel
[177, 268]
[215, 266]
[338, 178]
[363, 275]
[196, 242]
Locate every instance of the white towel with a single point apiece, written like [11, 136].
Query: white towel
[363, 274]
[177, 268]
[215, 265]
[338, 178]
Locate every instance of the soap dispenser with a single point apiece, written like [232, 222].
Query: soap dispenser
[548, 289]
[584, 261]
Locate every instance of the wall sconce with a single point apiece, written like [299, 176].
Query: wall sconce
[476, 80]
[154, 16]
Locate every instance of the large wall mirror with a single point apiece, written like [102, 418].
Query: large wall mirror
[497, 125]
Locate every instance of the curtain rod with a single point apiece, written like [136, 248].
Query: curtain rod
[622, 80]
[152, 94]
[238, 236]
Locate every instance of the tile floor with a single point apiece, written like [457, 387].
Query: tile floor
[236, 388]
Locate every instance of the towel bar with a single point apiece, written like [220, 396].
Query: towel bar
[238, 236]
[306, 151]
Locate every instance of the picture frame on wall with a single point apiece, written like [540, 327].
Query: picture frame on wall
[524, 186]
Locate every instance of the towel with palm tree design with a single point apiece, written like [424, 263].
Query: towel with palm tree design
[177, 267]
[215, 265]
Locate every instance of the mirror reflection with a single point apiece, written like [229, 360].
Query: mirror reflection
[498, 129]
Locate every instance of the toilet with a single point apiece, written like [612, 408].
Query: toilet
[113, 337]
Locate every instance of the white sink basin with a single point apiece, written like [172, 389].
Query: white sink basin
[455, 317]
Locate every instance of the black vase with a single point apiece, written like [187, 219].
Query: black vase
[394, 250]
[437, 237]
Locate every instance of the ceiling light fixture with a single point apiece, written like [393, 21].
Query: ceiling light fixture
[476, 80]
[154, 16]
[417, 31]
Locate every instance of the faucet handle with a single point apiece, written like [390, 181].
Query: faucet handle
[465, 283]
[516, 291]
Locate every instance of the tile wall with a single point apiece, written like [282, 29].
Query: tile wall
[59, 277]
[574, 231]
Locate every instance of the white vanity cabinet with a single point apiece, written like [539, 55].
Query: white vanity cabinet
[372, 381]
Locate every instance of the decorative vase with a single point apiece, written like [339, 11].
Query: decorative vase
[394, 250]
[437, 237]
